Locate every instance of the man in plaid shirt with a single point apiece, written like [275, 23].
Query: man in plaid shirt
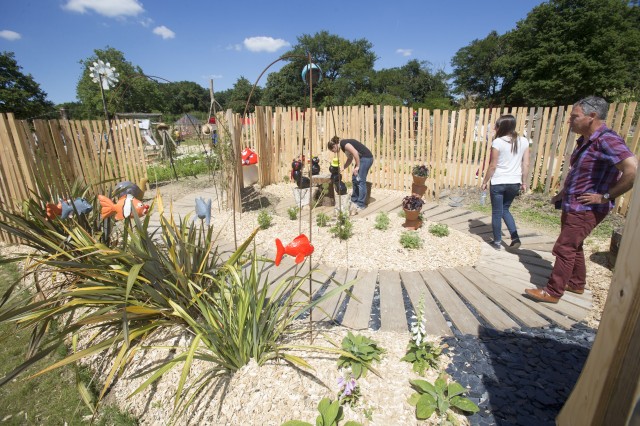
[602, 168]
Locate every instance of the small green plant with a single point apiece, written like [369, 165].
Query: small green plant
[264, 219]
[410, 240]
[421, 353]
[440, 397]
[293, 212]
[368, 413]
[360, 352]
[322, 219]
[439, 229]
[330, 415]
[343, 228]
[382, 221]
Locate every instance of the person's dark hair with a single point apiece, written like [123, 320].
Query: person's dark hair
[594, 104]
[333, 142]
[506, 126]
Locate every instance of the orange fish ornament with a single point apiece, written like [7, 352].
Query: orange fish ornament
[299, 248]
[123, 208]
[53, 210]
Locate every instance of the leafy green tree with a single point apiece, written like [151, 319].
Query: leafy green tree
[478, 69]
[135, 92]
[239, 95]
[19, 93]
[568, 49]
[184, 96]
[347, 69]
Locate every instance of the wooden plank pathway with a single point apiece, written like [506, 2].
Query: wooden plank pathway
[457, 300]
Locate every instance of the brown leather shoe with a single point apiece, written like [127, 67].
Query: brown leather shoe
[574, 290]
[541, 295]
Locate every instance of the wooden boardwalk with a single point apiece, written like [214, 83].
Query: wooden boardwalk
[456, 300]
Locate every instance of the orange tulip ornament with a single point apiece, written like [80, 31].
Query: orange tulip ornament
[299, 248]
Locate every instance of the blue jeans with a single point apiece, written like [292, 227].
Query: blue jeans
[359, 181]
[502, 196]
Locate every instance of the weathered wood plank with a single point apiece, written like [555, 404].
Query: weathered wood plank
[328, 308]
[392, 312]
[358, 311]
[505, 300]
[417, 290]
[491, 313]
[460, 315]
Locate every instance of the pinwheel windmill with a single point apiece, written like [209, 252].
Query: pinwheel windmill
[104, 74]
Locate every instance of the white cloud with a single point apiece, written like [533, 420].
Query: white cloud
[264, 44]
[146, 22]
[164, 32]
[10, 35]
[404, 52]
[108, 8]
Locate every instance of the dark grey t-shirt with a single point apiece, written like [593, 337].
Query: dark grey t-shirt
[363, 151]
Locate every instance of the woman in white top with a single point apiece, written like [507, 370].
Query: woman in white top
[509, 163]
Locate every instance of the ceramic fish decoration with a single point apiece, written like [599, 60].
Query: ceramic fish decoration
[299, 248]
[127, 187]
[123, 208]
[203, 209]
[65, 209]
[79, 205]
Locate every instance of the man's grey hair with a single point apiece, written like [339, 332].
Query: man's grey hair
[594, 104]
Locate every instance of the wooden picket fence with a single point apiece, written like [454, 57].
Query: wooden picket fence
[455, 145]
[47, 157]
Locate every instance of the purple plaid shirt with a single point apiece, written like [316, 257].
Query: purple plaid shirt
[593, 169]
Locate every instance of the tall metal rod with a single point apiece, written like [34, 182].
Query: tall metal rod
[310, 74]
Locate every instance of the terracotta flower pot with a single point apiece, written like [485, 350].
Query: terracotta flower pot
[411, 214]
[419, 180]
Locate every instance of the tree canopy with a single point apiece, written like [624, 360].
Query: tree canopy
[562, 51]
[19, 93]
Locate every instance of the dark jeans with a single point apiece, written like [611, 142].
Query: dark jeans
[569, 267]
[502, 196]
[359, 182]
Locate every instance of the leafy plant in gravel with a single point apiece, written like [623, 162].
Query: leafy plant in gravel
[410, 240]
[264, 219]
[421, 353]
[343, 227]
[439, 229]
[361, 352]
[330, 415]
[348, 390]
[441, 397]
[293, 212]
[382, 221]
[121, 297]
[322, 219]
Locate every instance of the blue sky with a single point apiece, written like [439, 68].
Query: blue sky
[198, 40]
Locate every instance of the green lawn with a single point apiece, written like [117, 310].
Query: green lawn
[51, 399]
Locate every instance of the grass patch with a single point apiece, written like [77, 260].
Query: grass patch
[50, 399]
[410, 240]
[382, 221]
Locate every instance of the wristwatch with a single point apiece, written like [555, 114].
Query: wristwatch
[606, 196]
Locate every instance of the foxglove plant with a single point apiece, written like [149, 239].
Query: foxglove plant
[421, 353]
[419, 326]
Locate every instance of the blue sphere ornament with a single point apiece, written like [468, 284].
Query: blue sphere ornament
[311, 73]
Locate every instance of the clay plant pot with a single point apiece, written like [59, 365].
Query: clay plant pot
[419, 180]
[411, 215]
[418, 189]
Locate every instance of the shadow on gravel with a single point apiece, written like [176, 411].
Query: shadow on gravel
[520, 377]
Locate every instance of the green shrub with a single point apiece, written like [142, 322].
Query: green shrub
[264, 219]
[343, 228]
[382, 221]
[322, 219]
[439, 229]
[185, 166]
[361, 352]
[293, 212]
[441, 397]
[410, 240]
